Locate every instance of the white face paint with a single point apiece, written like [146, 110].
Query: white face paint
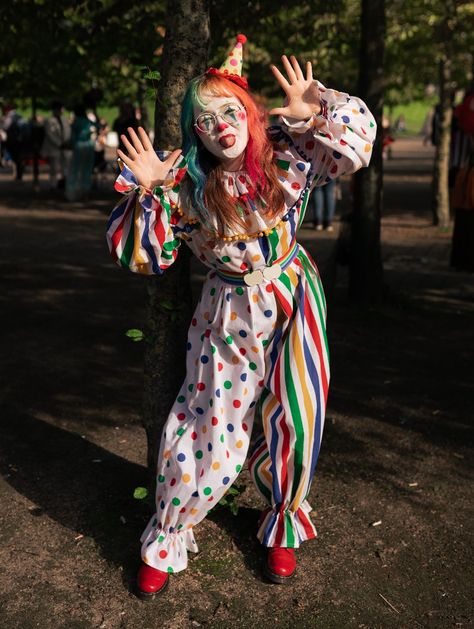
[228, 137]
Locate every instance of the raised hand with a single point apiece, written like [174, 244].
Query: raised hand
[302, 92]
[142, 160]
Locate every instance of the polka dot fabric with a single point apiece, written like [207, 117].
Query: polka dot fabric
[264, 344]
[207, 434]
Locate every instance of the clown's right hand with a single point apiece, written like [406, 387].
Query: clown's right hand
[142, 160]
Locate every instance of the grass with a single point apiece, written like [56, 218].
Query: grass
[414, 112]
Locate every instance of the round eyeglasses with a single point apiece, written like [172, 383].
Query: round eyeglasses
[207, 121]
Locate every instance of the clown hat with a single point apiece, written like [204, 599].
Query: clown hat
[232, 67]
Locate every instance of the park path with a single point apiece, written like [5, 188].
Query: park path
[392, 494]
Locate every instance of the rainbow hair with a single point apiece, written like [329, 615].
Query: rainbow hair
[199, 160]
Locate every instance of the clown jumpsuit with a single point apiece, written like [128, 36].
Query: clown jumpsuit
[260, 346]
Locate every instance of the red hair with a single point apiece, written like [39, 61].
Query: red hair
[259, 162]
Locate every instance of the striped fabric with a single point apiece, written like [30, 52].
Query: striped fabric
[293, 407]
[140, 232]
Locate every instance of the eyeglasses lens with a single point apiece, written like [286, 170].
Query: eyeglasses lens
[207, 122]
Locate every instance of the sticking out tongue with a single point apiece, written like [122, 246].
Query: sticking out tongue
[227, 140]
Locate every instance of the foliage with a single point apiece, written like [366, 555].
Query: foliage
[140, 493]
[416, 39]
[52, 49]
[325, 34]
[135, 335]
[64, 49]
[228, 501]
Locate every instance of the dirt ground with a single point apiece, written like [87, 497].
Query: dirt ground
[392, 495]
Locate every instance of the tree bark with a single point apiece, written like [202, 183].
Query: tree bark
[441, 162]
[365, 268]
[169, 296]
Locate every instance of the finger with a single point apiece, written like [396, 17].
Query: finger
[135, 139]
[280, 78]
[131, 151]
[173, 156]
[126, 160]
[279, 111]
[289, 70]
[309, 71]
[296, 68]
[145, 139]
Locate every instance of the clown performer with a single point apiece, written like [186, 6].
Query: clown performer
[236, 194]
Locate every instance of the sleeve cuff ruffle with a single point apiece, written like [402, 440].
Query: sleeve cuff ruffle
[167, 551]
[126, 182]
[303, 126]
[287, 529]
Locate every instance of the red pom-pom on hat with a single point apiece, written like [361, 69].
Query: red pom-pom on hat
[241, 38]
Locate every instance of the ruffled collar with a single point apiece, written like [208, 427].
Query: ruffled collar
[237, 183]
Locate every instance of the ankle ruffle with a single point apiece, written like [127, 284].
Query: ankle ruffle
[165, 550]
[282, 528]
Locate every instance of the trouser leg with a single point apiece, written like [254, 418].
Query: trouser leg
[53, 170]
[206, 437]
[318, 202]
[329, 201]
[293, 407]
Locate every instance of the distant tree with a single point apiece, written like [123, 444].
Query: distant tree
[444, 33]
[366, 271]
[430, 42]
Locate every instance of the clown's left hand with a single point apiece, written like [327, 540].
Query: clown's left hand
[302, 92]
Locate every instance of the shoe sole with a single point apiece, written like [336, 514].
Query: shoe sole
[147, 596]
[277, 578]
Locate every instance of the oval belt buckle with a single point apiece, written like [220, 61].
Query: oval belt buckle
[272, 272]
[253, 278]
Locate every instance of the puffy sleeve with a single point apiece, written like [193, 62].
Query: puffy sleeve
[142, 231]
[338, 140]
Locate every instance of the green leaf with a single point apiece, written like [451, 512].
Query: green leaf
[135, 335]
[140, 493]
[154, 75]
[167, 305]
[234, 508]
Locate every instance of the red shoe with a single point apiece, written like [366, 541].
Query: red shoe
[151, 581]
[280, 566]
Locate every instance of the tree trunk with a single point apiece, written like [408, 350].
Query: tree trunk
[169, 307]
[441, 163]
[365, 269]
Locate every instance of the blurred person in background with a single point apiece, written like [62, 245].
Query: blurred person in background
[126, 119]
[17, 132]
[100, 163]
[462, 175]
[387, 138]
[323, 199]
[83, 135]
[57, 145]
